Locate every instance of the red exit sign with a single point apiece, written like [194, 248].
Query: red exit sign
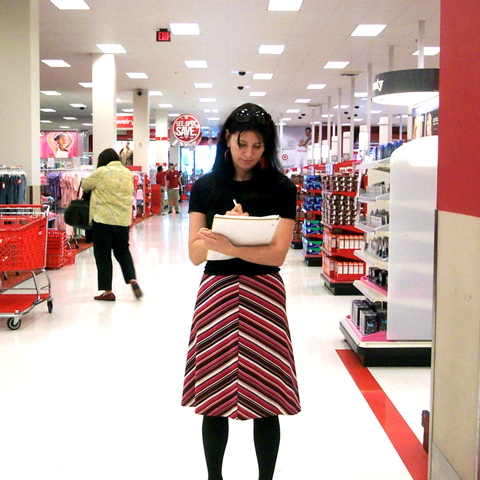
[164, 35]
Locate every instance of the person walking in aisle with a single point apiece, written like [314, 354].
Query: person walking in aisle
[240, 361]
[173, 184]
[111, 185]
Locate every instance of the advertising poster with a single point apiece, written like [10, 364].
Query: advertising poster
[58, 144]
[294, 148]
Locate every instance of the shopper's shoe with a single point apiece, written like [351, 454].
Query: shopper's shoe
[169, 212]
[106, 297]
[177, 211]
[137, 291]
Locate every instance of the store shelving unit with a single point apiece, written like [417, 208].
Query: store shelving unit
[312, 230]
[405, 337]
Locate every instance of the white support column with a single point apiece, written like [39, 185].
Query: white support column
[161, 136]
[141, 128]
[104, 103]
[20, 92]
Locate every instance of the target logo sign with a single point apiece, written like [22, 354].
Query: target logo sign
[187, 129]
[284, 157]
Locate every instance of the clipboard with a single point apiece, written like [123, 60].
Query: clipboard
[244, 231]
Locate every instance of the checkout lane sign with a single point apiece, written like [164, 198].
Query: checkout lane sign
[187, 129]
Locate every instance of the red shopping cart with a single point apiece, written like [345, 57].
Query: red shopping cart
[23, 247]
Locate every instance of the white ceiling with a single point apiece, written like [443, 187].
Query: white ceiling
[230, 33]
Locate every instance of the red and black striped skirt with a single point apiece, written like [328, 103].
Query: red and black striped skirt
[240, 360]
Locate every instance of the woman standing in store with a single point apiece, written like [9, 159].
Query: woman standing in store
[240, 362]
[111, 185]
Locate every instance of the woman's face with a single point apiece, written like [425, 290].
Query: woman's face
[62, 140]
[246, 148]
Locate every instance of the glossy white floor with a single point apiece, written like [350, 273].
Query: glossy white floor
[92, 390]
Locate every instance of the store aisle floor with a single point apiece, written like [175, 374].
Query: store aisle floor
[92, 391]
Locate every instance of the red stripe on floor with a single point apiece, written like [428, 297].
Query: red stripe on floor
[400, 434]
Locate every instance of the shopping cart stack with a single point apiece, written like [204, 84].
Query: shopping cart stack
[56, 249]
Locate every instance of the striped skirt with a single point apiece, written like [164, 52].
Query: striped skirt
[240, 360]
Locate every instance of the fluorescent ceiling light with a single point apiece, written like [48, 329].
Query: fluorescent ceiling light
[86, 84]
[429, 51]
[64, 126]
[376, 111]
[70, 4]
[165, 105]
[203, 85]
[127, 110]
[303, 100]
[56, 63]
[173, 114]
[45, 121]
[336, 65]
[111, 48]
[262, 76]
[70, 118]
[47, 110]
[287, 119]
[271, 49]
[293, 110]
[207, 100]
[316, 86]
[155, 93]
[87, 124]
[341, 106]
[49, 92]
[257, 94]
[214, 119]
[360, 94]
[366, 30]
[77, 105]
[137, 75]
[196, 63]
[284, 5]
[184, 28]
[325, 115]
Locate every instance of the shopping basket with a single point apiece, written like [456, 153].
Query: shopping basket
[23, 246]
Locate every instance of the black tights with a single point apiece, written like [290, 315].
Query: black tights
[266, 437]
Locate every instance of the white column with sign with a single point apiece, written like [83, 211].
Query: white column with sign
[20, 92]
[104, 103]
[161, 137]
[141, 128]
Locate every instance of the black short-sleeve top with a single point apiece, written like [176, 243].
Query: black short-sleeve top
[274, 198]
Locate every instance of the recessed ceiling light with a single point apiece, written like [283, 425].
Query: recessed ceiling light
[368, 30]
[196, 63]
[429, 51]
[155, 93]
[207, 100]
[86, 84]
[77, 105]
[56, 63]
[137, 75]
[316, 86]
[376, 111]
[287, 119]
[111, 48]
[87, 124]
[70, 4]
[49, 92]
[45, 121]
[262, 76]
[257, 94]
[360, 94]
[64, 126]
[70, 118]
[336, 65]
[271, 49]
[165, 105]
[127, 110]
[303, 100]
[293, 110]
[47, 110]
[203, 85]
[326, 115]
[173, 114]
[341, 106]
[284, 5]
[184, 28]
[213, 119]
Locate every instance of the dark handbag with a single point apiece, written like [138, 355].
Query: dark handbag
[77, 213]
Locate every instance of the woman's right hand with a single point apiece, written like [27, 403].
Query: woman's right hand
[236, 211]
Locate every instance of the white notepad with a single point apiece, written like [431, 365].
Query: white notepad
[244, 231]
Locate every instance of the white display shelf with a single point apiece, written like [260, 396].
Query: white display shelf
[369, 229]
[371, 259]
[365, 198]
[374, 164]
[371, 291]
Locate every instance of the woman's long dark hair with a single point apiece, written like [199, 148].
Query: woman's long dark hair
[107, 156]
[247, 118]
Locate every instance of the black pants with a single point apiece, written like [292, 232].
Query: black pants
[108, 238]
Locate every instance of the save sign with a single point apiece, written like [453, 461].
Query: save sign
[187, 129]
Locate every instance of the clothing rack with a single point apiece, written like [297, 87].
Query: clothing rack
[13, 185]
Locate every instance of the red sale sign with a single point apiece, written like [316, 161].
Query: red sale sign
[187, 129]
